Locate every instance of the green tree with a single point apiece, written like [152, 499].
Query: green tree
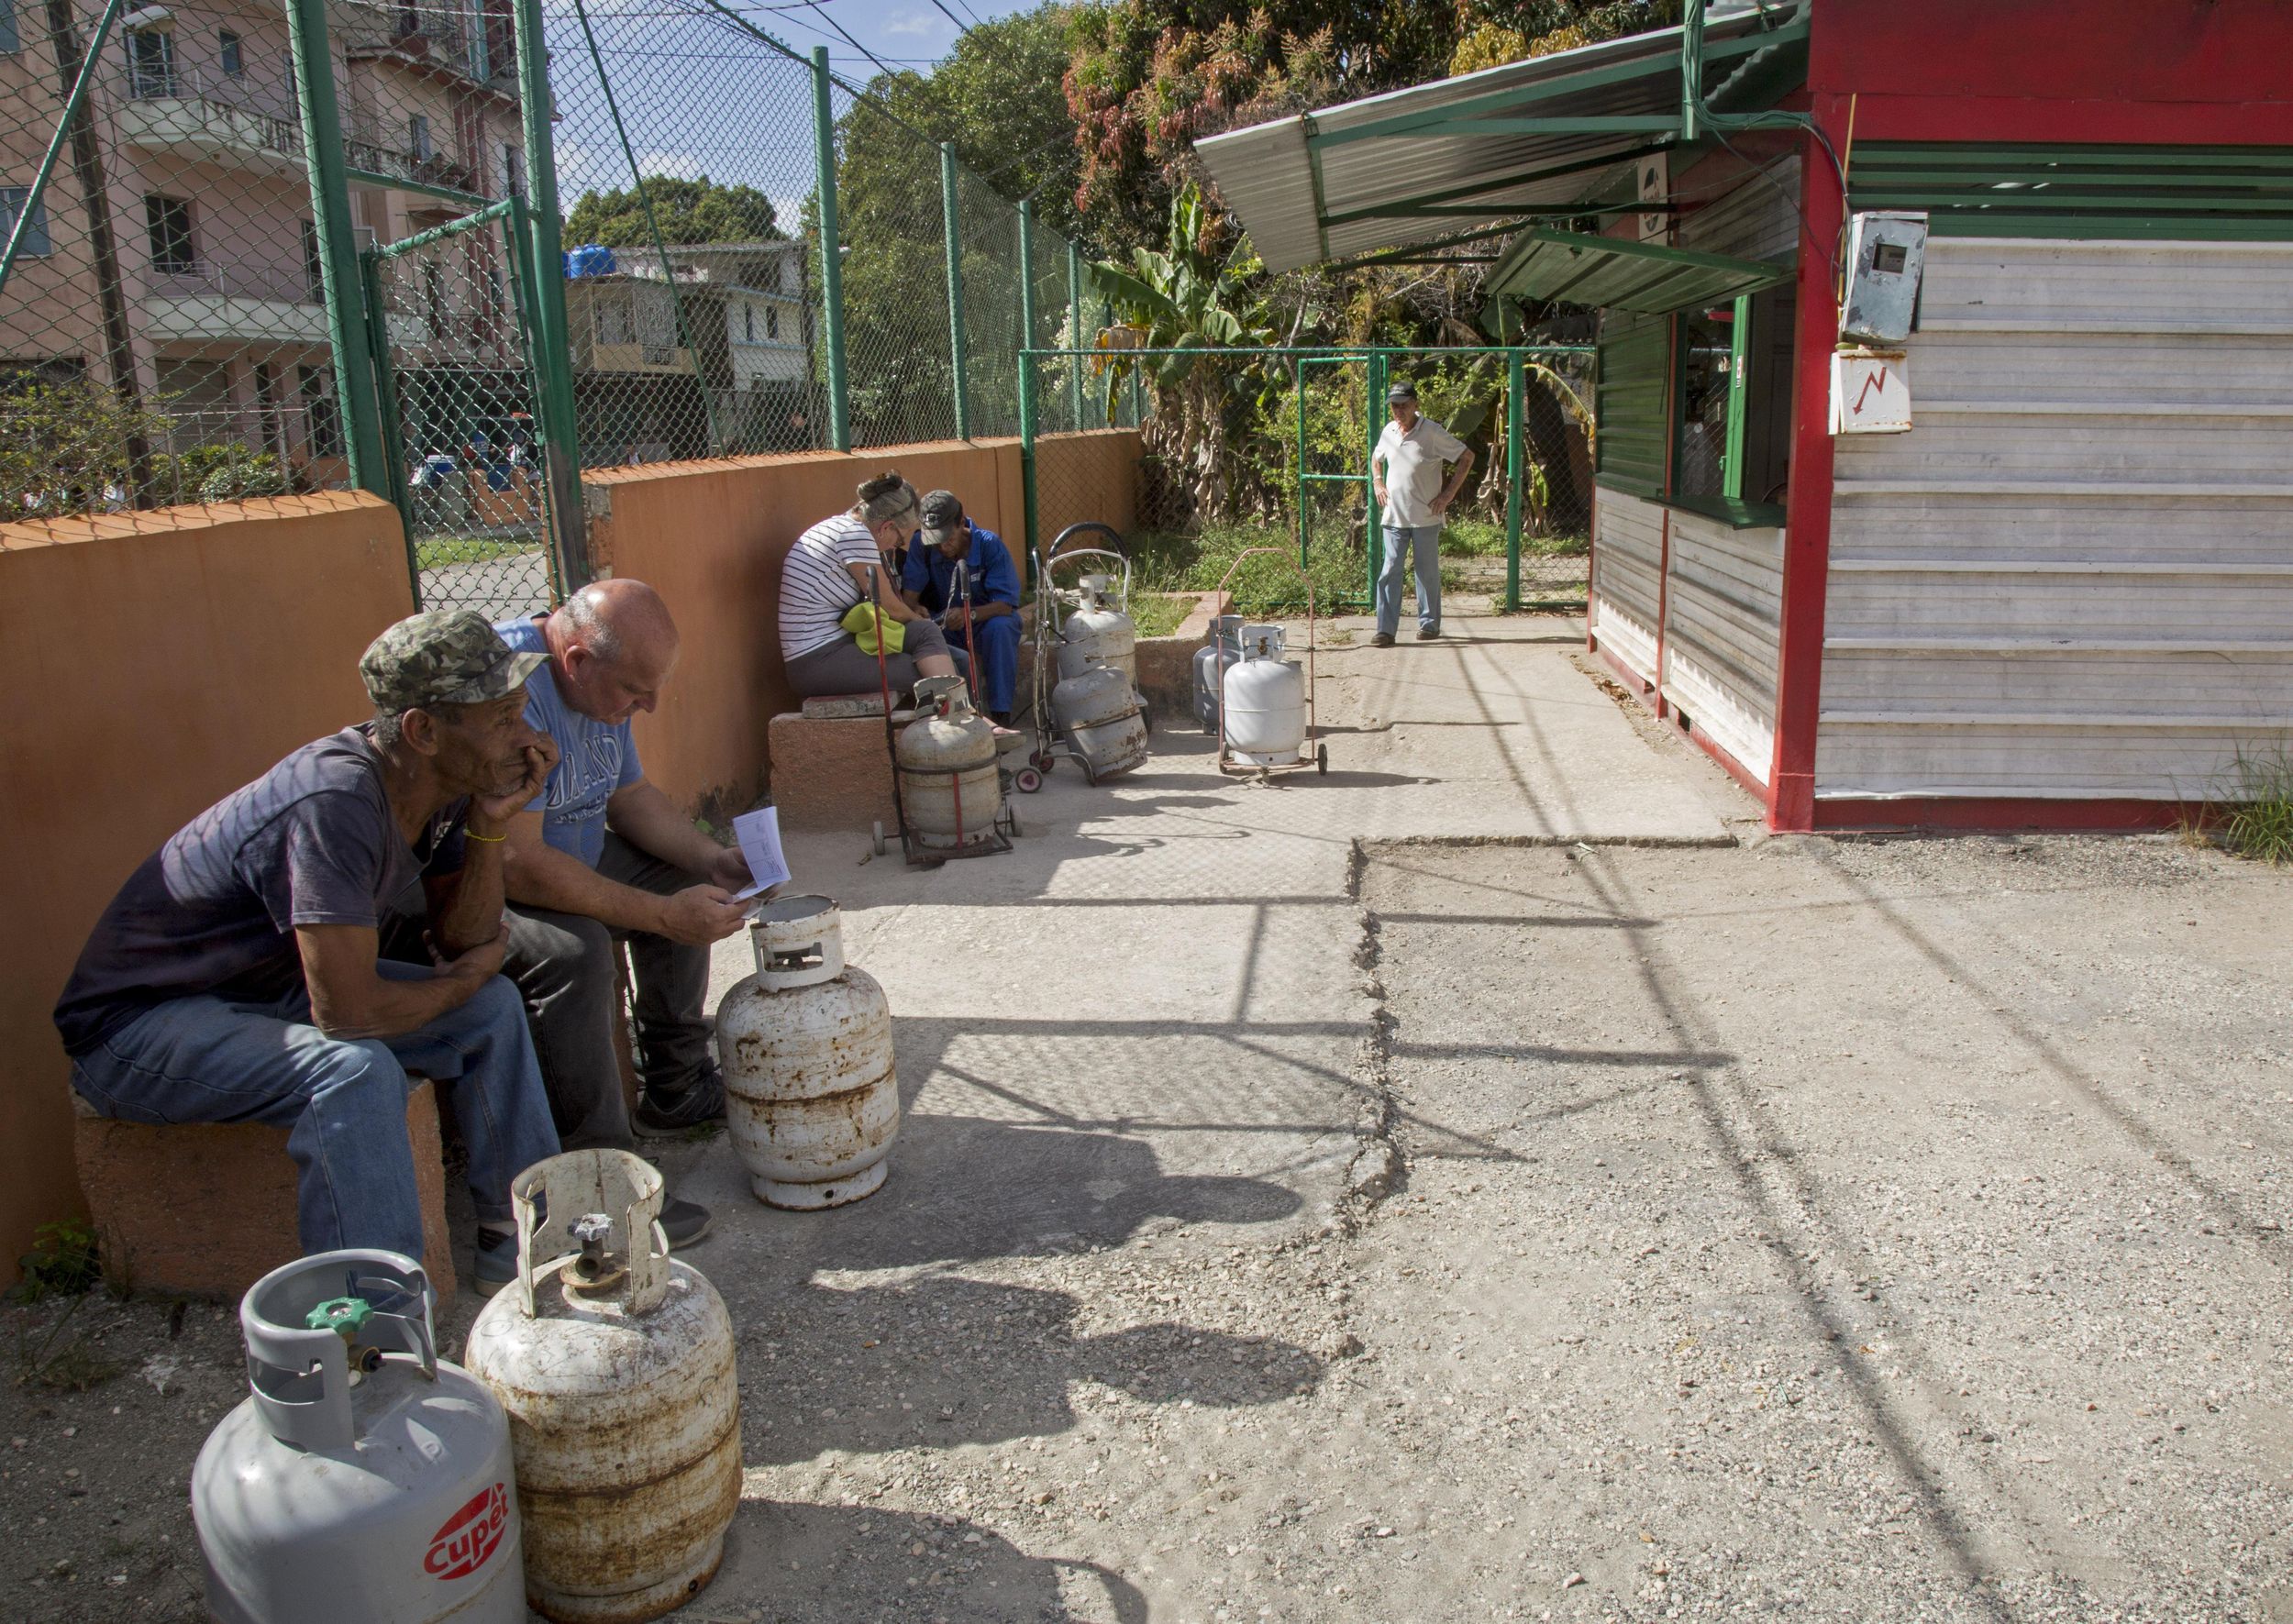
[688, 212]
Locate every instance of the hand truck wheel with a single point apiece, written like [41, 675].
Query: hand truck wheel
[1028, 780]
[1321, 759]
[879, 831]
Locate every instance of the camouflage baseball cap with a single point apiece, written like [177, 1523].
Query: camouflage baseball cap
[447, 656]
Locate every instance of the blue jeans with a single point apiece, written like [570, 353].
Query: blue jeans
[1421, 545]
[206, 1059]
[994, 645]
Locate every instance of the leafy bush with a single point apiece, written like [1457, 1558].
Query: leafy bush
[65, 448]
[222, 473]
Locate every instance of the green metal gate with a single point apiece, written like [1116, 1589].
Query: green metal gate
[1330, 497]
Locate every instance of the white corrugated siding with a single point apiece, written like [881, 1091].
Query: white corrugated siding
[1723, 606]
[1627, 562]
[1717, 594]
[2074, 578]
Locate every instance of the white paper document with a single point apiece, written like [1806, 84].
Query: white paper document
[760, 835]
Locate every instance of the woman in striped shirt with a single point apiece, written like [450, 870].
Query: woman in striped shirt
[831, 566]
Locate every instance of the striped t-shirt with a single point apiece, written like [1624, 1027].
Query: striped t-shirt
[816, 589]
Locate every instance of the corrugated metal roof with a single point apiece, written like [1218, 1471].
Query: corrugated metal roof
[1615, 273]
[1314, 187]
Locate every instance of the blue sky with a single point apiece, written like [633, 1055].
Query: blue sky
[904, 33]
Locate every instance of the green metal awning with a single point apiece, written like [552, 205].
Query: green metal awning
[1465, 158]
[1615, 273]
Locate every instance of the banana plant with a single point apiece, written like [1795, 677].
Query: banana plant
[1181, 297]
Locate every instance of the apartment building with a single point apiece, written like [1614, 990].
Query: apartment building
[175, 248]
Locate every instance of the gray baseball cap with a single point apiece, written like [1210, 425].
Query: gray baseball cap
[446, 656]
[943, 515]
[1402, 390]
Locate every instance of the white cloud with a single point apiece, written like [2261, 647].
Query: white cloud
[910, 24]
[675, 166]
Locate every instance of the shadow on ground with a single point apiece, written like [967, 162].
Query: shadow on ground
[939, 1362]
[825, 1563]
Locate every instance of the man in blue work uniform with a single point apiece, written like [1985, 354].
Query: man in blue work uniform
[991, 628]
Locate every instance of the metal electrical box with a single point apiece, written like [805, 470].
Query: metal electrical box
[1886, 253]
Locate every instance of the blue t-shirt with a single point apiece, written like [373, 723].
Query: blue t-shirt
[312, 842]
[594, 759]
[932, 574]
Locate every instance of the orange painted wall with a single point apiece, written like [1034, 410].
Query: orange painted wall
[155, 662]
[710, 538]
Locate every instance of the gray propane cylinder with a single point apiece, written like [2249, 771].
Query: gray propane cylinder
[950, 789]
[1210, 661]
[811, 1097]
[615, 1365]
[1098, 715]
[1264, 702]
[363, 1480]
[1098, 634]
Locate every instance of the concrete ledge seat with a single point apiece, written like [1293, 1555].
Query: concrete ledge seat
[833, 706]
[831, 772]
[205, 1210]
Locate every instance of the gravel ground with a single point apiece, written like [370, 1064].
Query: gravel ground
[1811, 1229]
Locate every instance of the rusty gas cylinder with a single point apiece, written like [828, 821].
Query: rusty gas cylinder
[810, 1095]
[614, 1362]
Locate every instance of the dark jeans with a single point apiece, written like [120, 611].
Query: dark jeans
[563, 965]
[202, 1059]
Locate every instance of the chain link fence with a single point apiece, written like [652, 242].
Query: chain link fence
[170, 315]
[1243, 449]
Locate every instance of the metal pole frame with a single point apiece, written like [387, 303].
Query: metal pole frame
[1028, 376]
[1375, 532]
[342, 283]
[22, 227]
[952, 249]
[831, 253]
[1739, 351]
[1516, 424]
[553, 343]
[1074, 329]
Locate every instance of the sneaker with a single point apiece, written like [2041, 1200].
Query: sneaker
[1382, 640]
[1427, 634]
[701, 1104]
[496, 1265]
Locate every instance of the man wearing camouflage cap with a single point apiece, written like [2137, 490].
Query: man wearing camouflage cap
[236, 977]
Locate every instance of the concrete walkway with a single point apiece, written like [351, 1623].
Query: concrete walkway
[1149, 1020]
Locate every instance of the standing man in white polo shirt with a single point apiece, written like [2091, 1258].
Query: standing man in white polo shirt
[1405, 471]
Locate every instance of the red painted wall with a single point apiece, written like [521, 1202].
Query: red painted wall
[2189, 71]
[2185, 73]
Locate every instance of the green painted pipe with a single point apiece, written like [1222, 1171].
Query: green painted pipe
[951, 246]
[831, 254]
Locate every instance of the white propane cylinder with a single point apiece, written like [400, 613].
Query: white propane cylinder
[1097, 634]
[812, 1099]
[1264, 702]
[614, 1362]
[364, 1480]
[950, 789]
[1098, 713]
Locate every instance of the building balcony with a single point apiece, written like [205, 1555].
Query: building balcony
[240, 302]
[205, 120]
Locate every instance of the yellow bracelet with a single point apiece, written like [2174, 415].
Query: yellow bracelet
[488, 839]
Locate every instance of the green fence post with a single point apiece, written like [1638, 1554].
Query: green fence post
[1028, 337]
[1516, 421]
[561, 448]
[1297, 387]
[1027, 372]
[22, 229]
[831, 254]
[1373, 412]
[1074, 329]
[953, 245]
[386, 398]
[337, 246]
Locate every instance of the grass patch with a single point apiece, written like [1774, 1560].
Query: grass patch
[2259, 820]
[1479, 538]
[1158, 614]
[1167, 562]
[441, 550]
